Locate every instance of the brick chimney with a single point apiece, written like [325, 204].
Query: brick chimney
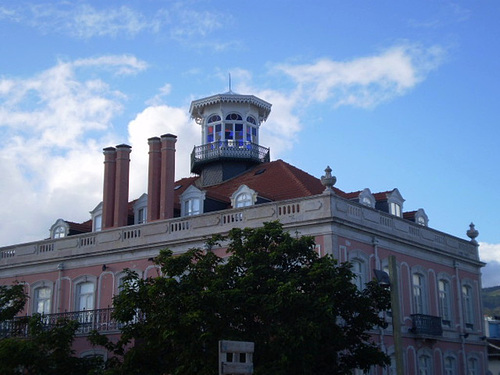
[121, 185]
[167, 176]
[154, 175]
[108, 196]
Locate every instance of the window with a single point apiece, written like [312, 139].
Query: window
[141, 209]
[60, 232]
[468, 306]
[366, 198]
[472, 366]
[421, 217]
[243, 197]
[42, 300]
[395, 209]
[444, 301]
[243, 200]
[450, 365]
[418, 294]
[96, 215]
[192, 201]
[85, 296]
[395, 201]
[358, 270]
[424, 365]
[233, 130]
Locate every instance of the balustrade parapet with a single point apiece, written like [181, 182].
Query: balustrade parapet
[227, 150]
[100, 320]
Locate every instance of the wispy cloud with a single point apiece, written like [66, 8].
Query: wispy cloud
[366, 81]
[83, 21]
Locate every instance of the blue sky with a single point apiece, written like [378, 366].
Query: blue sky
[388, 93]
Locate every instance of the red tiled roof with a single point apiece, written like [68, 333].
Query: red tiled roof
[84, 227]
[382, 196]
[276, 180]
[410, 215]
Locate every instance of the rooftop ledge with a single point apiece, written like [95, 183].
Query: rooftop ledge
[307, 214]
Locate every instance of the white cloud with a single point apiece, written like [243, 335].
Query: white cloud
[154, 121]
[490, 254]
[366, 81]
[53, 127]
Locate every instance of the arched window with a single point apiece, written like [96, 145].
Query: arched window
[214, 129]
[419, 294]
[243, 197]
[468, 301]
[42, 297]
[424, 364]
[233, 129]
[357, 269]
[445, 301]
[472, 366]
[85, 296]
[450, 365]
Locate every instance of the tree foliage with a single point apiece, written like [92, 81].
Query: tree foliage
[303, 311]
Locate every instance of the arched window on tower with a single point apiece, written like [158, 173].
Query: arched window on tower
[233, 130]
[214, 129]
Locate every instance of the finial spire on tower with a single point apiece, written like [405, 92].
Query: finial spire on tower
[229, 83]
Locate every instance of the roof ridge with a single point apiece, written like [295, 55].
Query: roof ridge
[289, 171]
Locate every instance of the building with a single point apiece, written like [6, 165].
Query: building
[234, 183]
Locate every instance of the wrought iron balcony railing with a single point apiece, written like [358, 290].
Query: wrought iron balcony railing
[227, 150]
[89, 320]
[426, 325]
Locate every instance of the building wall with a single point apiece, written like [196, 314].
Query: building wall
[342, 228]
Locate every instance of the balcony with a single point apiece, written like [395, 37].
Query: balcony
[89, 320]
[227, 150]
[426, 325]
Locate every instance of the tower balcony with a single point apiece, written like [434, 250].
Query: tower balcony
[227, 150]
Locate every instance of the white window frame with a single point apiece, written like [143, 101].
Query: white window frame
[445, 299]
[419, 291]
[360, 262]
[78, 283]
[250, 197]
[395, 202]
[468, 305]
[449, 364]
[366, 198]
[96, 215]
[191, 197]
[36, 288]
[473, 365]
[424, 362]
[141, 209]
[59, 229]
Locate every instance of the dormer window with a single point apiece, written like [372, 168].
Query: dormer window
[140, 209]
[366, 198]
[96, 215]
[243, 197]
[395, 202]
[60, 229]
[60, 232]
[192, 201]
[421, 217]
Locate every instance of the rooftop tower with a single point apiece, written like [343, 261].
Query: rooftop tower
[229, 135]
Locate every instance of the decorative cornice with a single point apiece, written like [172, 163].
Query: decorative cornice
[196, 108]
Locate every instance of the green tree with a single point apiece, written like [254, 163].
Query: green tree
[31, 346]
[302, 311]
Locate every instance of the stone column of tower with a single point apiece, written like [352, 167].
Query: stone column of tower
[154, 183]
[122, 185]
[167, 177]
[108, 196]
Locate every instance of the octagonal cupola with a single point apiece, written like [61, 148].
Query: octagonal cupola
[229, 135]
